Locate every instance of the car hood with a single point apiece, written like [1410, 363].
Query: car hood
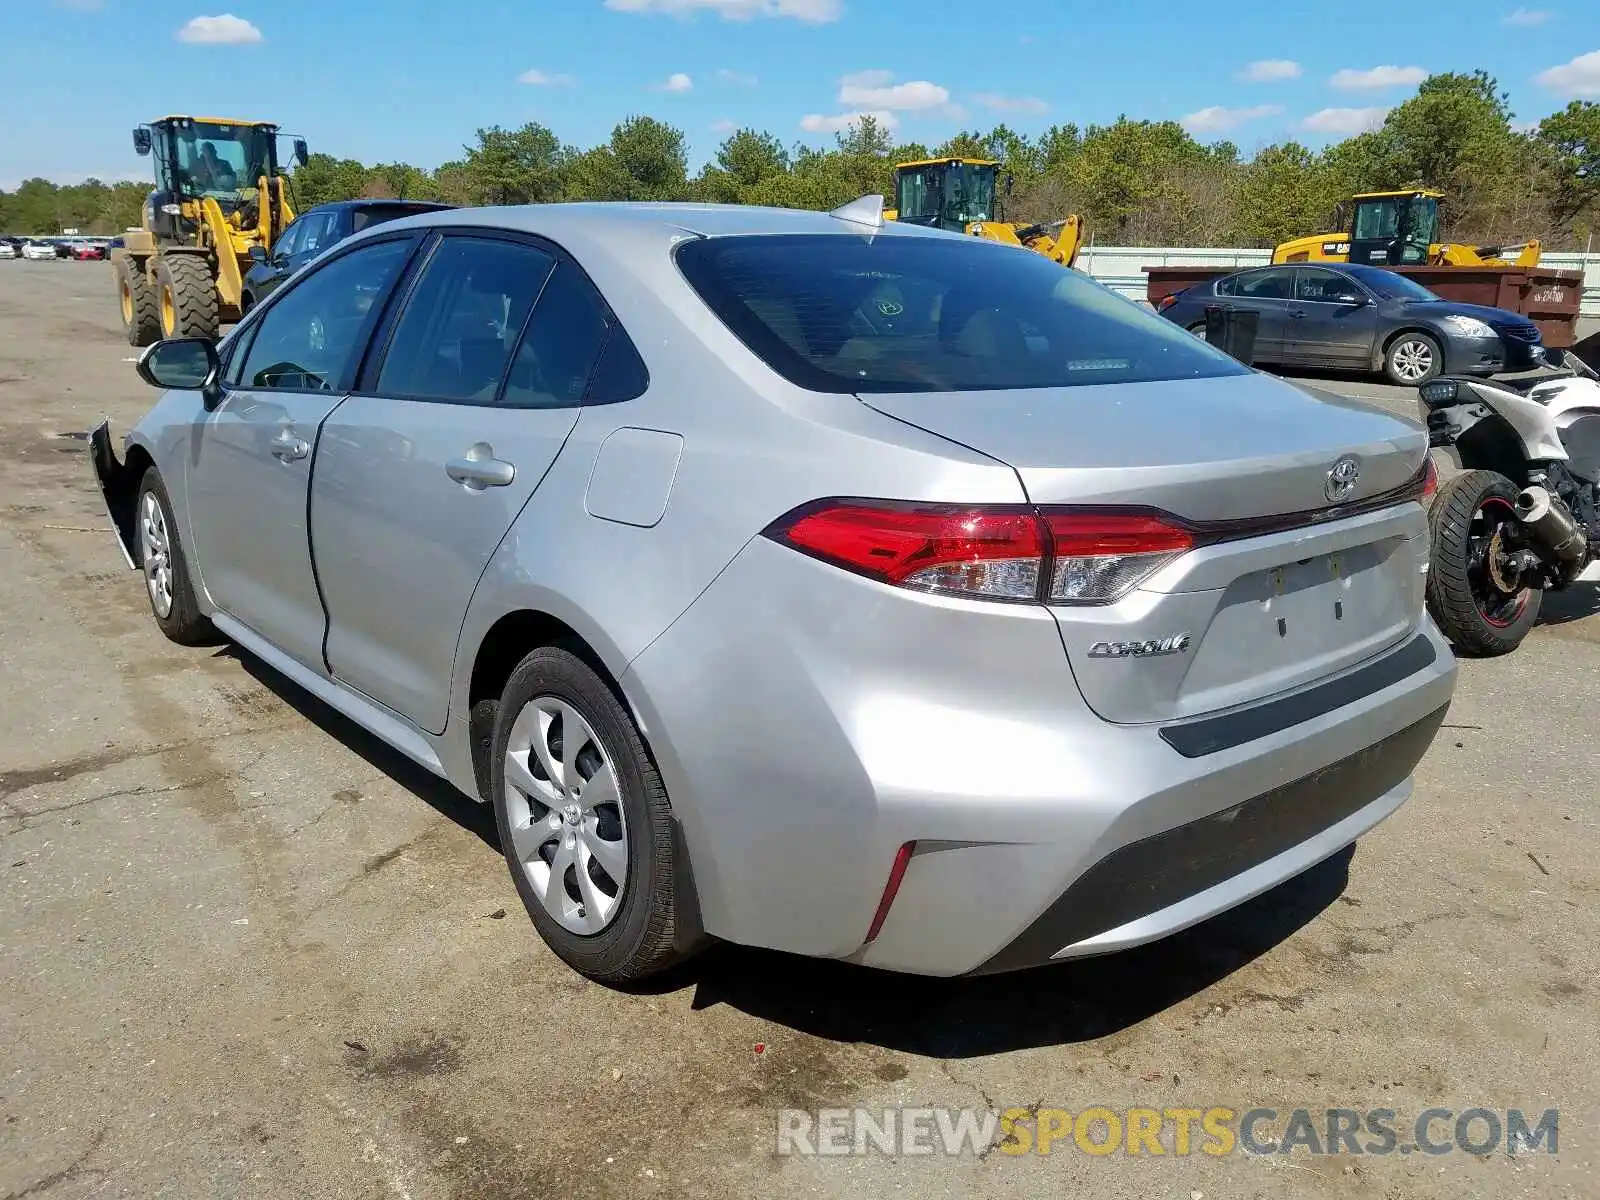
[1228, 448]
[1453, 308]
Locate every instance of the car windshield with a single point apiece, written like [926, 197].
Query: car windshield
[919, 314]
[1395, 287]
[949, 195]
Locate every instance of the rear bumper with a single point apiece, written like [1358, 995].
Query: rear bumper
[809, 722]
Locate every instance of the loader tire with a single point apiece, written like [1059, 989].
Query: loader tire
[187, 297]
[1463, 599]
[141, 317]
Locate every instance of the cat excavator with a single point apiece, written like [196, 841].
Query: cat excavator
[1398, 229]
[219, 195]
[958, 194]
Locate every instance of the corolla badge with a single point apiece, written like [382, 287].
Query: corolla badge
[1342, 478]
[1175, 644]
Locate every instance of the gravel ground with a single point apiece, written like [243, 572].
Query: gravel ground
[247, 951]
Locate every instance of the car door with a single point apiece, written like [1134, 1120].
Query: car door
[251, 458]
[1332, 321]
[421, 474]
[1266, 292]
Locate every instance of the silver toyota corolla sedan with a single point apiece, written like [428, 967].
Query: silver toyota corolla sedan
[803, 581]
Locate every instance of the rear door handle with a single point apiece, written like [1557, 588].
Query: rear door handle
[287, 446]
[479, 469]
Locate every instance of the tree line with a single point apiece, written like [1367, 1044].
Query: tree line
[1135, 182]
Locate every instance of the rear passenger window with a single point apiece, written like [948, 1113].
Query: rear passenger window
[559, 350]
[456, 333]
[312, 337]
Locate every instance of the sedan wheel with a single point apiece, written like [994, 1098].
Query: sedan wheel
[155, 550]
[567, 822]
[1412, 360]
[166, 576]
[585, 824]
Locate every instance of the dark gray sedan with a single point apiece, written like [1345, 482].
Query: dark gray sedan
[1363, 318]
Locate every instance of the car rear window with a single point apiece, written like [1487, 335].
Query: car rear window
[377, 214]
[841, 313]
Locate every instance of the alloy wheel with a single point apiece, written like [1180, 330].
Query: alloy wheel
[568, 827]
[1496, 585]
[155, 550]
[1413, 360]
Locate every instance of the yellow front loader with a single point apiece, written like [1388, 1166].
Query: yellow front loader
[959, 194]
[219, 194]
[1396, 229]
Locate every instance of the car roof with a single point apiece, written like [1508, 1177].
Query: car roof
[380, 202]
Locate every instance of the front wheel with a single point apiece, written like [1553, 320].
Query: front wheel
[172, 597]
[1412, 359]
[1475, 593]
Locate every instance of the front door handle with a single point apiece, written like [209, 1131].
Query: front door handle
[287, 446]
[1297, 313]
[479, 469]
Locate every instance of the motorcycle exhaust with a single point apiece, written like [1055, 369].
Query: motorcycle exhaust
[1554, 532]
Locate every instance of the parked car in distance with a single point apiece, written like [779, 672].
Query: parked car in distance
[313, 232]
[775, 579]
[89, 251]
[10, 248]
[38, 251]
[1363, 318]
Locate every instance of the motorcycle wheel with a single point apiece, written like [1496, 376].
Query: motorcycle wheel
[1468, 593]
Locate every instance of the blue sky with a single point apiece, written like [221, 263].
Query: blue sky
[382, 80]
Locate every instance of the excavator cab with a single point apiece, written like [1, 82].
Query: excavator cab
[1393, 229]
[946, 193]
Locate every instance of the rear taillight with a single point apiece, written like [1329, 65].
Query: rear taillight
[1430, 479]
[1166, 302]
[995, 553]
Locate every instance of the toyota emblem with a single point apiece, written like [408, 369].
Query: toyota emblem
[1342, 479]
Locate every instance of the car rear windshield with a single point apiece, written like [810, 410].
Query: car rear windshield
[840, 313]
[377, 214]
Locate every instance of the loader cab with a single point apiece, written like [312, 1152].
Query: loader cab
[1393, 229]
[197, 157]
[946, 193]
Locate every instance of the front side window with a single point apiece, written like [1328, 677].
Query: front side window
[1377, 219]
[456, 333]
[311, 339]
[841, 313]
[1328, 287]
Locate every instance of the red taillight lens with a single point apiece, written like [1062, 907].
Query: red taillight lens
[1099, 557]
[1166, 302]
[1004, 553]
[976, 551]
[1430, 480]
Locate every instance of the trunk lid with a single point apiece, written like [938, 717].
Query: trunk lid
[1284, 587]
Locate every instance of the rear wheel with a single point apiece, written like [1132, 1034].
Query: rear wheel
[172, 597]
[584, 821]
[1475, 592]
[186, 296]
[140, 319]
[1412, 359]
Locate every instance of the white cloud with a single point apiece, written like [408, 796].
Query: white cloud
[1216, 119]
[226, 30]
[1345, 120]
[812, 11]
[1016, 104]
[872, 90]
[676, 82]
[1526, 17]
[735, 78]
[540, 78]
[818, 123]
[1378, 77]
[1580, 77]
[1270, 70]
[724, 126]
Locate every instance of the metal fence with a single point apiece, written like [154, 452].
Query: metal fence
[1122, 267]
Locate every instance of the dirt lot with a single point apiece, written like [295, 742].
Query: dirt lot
[246, 951]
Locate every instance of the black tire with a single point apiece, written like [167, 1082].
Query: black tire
[642, 938]
[183, 622]
[186, 297]
[1481, 620]
[1411, 346]
[141, 318]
